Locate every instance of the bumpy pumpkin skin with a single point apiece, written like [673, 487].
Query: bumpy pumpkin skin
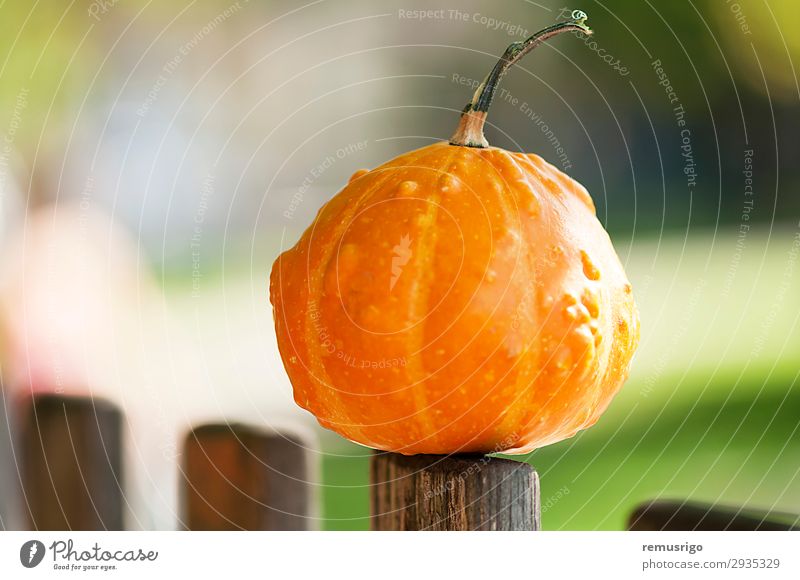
[455, 299]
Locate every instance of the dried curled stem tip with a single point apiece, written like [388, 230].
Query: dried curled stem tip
[579, 17]
[470, 129]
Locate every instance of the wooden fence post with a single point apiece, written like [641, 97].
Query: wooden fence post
[458, 492]
[70, 450]
[239, 478]
[8, 470]
[675, 515]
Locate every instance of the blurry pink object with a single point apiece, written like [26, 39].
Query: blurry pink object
[69, 283]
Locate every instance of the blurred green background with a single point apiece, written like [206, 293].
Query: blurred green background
[193, 125]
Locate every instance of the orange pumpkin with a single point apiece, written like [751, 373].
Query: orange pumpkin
[459, 298]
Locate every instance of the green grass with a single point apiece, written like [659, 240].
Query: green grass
[741, 449]
[345, 495]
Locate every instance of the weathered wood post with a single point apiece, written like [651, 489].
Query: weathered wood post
[237, 477]
[8, 470]
[457, 492]
[676, 515]
[70, 450]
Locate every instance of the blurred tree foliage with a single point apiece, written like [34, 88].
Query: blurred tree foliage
[45, 64]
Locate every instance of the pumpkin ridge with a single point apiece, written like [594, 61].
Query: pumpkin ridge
[580, 196]
[569, 427]
[421, 304]
[575, 189]
[333, 398]
[536, 171]
[345, 422]
[528, 360]
[529, 441]
[477, 442]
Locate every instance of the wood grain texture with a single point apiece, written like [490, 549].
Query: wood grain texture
[467, 492]
[70, 449]
[239, 478]
[671, 515]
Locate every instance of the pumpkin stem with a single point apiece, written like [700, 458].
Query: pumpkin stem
[470, 129]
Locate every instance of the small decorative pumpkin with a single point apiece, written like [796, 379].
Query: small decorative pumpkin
[459, 298]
